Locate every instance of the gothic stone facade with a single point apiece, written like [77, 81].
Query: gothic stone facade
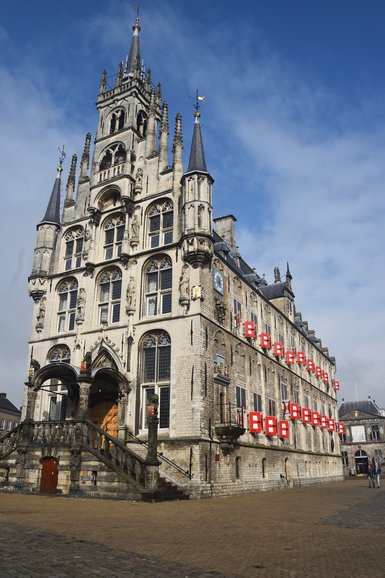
[137, 295]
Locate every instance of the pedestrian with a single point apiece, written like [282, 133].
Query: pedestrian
[377, 473]
[370, 476]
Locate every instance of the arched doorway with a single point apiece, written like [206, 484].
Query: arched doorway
[104, 414]
[361, 461]
[49, 476]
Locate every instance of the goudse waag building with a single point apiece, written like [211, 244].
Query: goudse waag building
[144, 307]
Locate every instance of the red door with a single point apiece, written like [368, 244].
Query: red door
[49, 476]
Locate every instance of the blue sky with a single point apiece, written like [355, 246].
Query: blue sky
[294, 133]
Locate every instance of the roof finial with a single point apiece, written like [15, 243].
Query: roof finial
[198, 99]
[61, 160]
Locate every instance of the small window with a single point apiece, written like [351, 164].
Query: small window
[257, 402]
[237, 313]
[272, 407]
[345, 460]
[284, 392]
[240, 397]
[375, 433]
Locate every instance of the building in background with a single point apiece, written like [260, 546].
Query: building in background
[9, 414]
[143, 305]
[364, 437]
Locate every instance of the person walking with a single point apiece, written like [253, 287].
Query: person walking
[377, 473]
[370, 476]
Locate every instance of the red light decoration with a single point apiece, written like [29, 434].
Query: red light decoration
[336, 384]
[310, 365]
[250, 329]
[270, 425]
[295, 410]
[278, 349]
[301, 358]
[255, 421]
[315, 418]
[290, 357]
[324, 421]
[306, 415]
[318, 371]
[265, 340]
[341, 429]
[332, 424]
[283, 427]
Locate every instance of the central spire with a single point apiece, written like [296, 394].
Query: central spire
[134, 54]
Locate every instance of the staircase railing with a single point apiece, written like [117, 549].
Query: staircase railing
[163, 458]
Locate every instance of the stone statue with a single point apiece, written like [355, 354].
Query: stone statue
[184, 285]
[138, 180]
[81, 306]
[135, 228]
[41, 314]
[131, 294]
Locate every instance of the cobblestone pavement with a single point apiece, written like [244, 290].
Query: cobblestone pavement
[330, 531]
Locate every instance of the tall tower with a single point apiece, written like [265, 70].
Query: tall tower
[197, 239]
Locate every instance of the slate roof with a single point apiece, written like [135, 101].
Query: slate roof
[197, 161]
[367, 406]
[52, 214]
[6, 405]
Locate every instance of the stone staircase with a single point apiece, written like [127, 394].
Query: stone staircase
[84, 436]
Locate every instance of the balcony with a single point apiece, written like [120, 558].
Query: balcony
[230, 425]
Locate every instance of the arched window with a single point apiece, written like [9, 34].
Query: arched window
[73, 248]
[117, 121]
[68, 294]
[158, 287]
[156, 370]
[113, 237]
[161, 221]
[106, 161]
[59, 353]
[110, 290]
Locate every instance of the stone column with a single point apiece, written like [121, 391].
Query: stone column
[31, 402]
[84, 389]
[123, 401]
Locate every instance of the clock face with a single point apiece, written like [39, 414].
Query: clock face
[218, 281]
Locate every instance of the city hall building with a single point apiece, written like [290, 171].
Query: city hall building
[143, 309]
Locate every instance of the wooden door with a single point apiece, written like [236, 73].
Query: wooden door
[49, 476]
[105, 415]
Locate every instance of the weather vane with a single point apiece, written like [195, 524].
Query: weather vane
[198, 99]
[61, 158]
[136, 8]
